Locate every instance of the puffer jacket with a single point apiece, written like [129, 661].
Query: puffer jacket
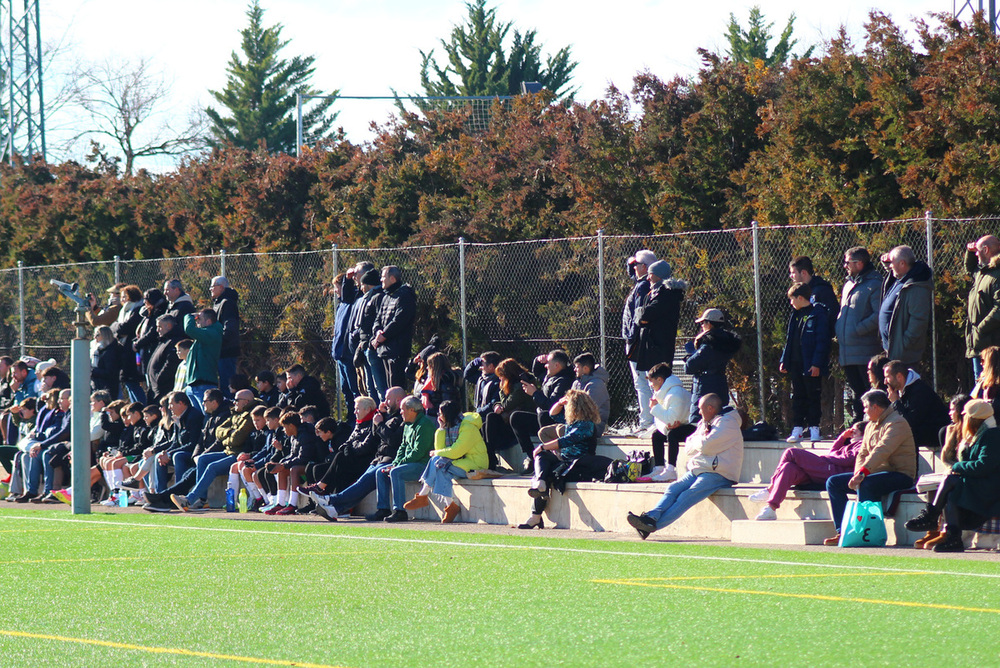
[227, 308]
[857, 322]
[982, 328]
[672, 404]
[396, 314]
[708, 356]
[468, 452]
[657, 322]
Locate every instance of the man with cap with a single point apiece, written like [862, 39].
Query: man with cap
[657, 320]
[708, 355]
[108, 315]
[638, 266]
[362, 319]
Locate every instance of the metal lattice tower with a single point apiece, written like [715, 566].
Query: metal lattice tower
[21, 101]
[968, 7]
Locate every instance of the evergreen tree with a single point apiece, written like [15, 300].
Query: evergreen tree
[479, 61]
[751, 45]
[260, 93]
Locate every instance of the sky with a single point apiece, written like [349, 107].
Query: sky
[371, 47]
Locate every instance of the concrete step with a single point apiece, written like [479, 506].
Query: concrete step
[782, 532]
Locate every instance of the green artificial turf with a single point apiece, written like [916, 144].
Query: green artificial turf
[361, 595]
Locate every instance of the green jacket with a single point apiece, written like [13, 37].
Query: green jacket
[980, 471]
[982, 328]
[418, 441]
[203, 360]
[234, 432]
[468, 452]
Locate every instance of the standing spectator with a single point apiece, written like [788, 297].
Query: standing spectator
[343, 357]
[557, 381]
[905, 312]
[179, 303]
[800, 270]
[303, 390]
[806, 359]
[708, 355]
[657, 321]
[100, 316]
[105, 361]
[481, 372]
[163, 362]
[365, 356]
[857, 323]
[988, 386]
[203, 359]
[638, 267]
[124, 328]
[917, 403]
[393, 327]
[154, 305]
[226, 304]
[885, 463]
[982, 329]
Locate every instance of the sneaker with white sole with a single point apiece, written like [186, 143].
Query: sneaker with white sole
[668, 474]
[795, 436]
[767, 513]
[814, 434]
[760, 496]
[329, 513]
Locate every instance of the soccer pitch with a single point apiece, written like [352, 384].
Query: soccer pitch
[115, 590]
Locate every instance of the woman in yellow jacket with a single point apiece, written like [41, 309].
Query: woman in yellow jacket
[458, 448]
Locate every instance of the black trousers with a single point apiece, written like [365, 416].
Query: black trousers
[498, 436]
[394, 376]
[545, 464]
[856, 376]
[672, 440]
[807, 408]
[956, 518]
[526, 425]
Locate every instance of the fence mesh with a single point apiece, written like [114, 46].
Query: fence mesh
[523, 299]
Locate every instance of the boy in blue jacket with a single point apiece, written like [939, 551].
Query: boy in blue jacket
[806, 358]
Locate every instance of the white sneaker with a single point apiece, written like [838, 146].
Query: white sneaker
[657, 470]
[646, 432]
[766, 514]
[109, 503]
[668, 474]
[795, 436]
[814, 434]
[760, 496]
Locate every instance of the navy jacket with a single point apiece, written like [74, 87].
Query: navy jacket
[708, 356]
[811, 325]
[397, 313]
[341, 328]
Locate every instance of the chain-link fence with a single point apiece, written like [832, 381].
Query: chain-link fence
[526, 298]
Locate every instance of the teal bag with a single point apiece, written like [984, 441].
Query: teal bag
[863, 525]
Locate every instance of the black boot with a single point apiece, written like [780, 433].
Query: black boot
[951, 543]
[927, 520]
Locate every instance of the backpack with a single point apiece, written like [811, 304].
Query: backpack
[643, 458]
[761, 431]
[621, 471]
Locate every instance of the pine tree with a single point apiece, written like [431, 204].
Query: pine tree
[481, 65]
[751, 45]
[260, 93]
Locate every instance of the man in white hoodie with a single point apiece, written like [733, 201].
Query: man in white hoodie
[715, 457]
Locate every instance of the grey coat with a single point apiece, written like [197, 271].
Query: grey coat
[911, 317]
[857, 323]
[982, 329]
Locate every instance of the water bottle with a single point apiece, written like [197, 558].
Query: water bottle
[230, 500]
[123, 498]
[243, 500]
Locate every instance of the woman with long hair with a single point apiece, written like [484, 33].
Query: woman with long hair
[988, 387]
[496, 430]
[438, 383]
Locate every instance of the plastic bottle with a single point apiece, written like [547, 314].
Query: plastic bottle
[243, 500]
[230, 500]
[123, 498]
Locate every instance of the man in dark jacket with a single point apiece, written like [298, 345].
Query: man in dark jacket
[303, 390]
[179, 303]
[185, 438]
[657, 321]
[226, 303]
[905, 312]
[481, 372]
[982, 328]
[393, 327]
[857, 324]
[365, 356]
[163, 362]
[343, 357]
[638, 266]
[800, 270]
[558, 379]
[917, 402]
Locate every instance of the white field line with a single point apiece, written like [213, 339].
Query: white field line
[536, 548]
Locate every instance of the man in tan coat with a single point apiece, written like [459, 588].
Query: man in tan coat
[886, 462]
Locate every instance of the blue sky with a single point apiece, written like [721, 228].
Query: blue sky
[368, 47]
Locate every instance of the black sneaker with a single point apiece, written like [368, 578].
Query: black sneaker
[926, 520]
[306, 509]
[157, 499]
[643, 524]
[953, 543]
[397, 516]
[24, 498]
[157, 508]
[378, 515]
[130, 483]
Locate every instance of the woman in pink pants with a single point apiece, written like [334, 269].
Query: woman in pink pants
[799, 467]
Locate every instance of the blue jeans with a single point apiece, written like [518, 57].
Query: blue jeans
[376, 372]
[227, 367]
[183, 462]
[644, 393]
[348, 384]
[872, 488]
[977, 368]
[210, 466]
[683, 494]
[196, 393]
[49, 470]
[134, 392]
[439, 475]
[355, 494]
[393, 484]
[34, 472]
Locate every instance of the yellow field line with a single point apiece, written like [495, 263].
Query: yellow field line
[163, 650]
[814, 597]
[159, 557]
[762, 577]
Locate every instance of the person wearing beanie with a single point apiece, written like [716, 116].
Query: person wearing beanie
[371, 376]
[638, 268]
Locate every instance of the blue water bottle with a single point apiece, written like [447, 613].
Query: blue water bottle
[230, 500]
[123, 498]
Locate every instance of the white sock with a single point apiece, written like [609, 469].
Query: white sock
[234, 481]
[108, 479]
[282, 497]
[425, 490]
[252, 488]
[116, 477]
[293, 498]
[445, 500]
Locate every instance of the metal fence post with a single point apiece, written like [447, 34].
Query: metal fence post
[20, 301]
[118, 269]
[929, 223]
[600, 294]
[336, 365]
[461, 297]
[298, 131]
[757, 309]
[222, 262]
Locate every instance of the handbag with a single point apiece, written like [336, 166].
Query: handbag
[863, 525]
[929, 482]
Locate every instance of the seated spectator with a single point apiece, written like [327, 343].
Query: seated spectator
[22, 423]
[715, 458]
[557, 381]
[303, 390]
[970, 494]
[592, 378]
[56, 431]
[239, 381]
[497, 431]
[266, 389]
[876, 372]
[410, 460]
[302, 447]
[246, 462]
[988, 386]
[152, 435]
[669, 408]
[481, 373]
[185, 437]
[117, 462]
[439, 384]
[886, 462]
[350, 458]
[708, 354]
[917, 402]
[806, 467]
[458, 449]
[577, 440]
[52, 377]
